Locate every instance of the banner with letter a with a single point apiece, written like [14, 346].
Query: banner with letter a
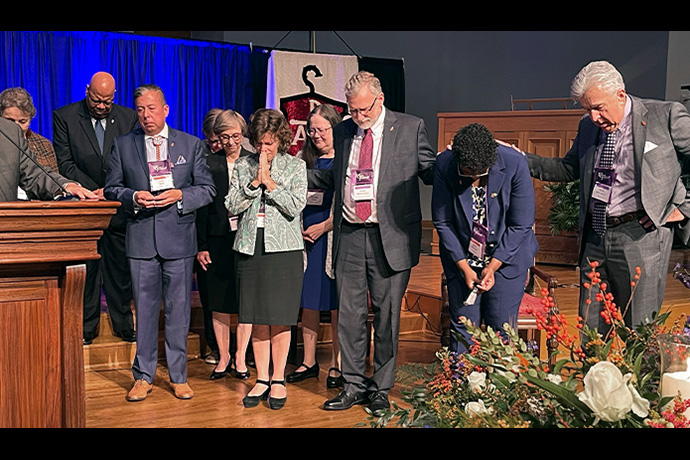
[298, 82]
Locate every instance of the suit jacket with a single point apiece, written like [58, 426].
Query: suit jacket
[78, 155]
[283, 206]
[76, 147]
[168, 232]
[212, 219]
[510, 211]
[16, 169]
[406, 155]
[661, 143]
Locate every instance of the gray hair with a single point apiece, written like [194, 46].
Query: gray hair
[227, 119]
[598, 73]
[141, 90]
[360, 79]
[19, 98]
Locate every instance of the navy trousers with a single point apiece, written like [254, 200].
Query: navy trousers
[155, 280]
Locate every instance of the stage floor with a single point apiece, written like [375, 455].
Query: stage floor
[218, 403]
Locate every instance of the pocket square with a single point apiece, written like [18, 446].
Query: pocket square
[180, 160]
[649, 146]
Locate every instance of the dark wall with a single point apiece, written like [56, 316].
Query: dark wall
[449, 71]
[472, 71]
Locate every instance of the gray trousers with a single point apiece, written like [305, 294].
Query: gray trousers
[619, 252]
[171, 281]
[361, 268]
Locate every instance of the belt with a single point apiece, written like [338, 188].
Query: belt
[361, 224]
[635, 215]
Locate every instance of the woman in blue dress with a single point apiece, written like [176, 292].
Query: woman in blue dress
[318, 288]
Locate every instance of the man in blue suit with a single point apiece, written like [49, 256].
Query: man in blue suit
[161, 178]
[483, 209]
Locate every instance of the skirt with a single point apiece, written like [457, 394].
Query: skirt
[269, 285]
[219, 278]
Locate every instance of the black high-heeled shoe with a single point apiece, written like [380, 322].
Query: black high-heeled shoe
[308, 372]
[335, 382]
[242, 375]
[253, 401]
[277, 403]
[219, 375]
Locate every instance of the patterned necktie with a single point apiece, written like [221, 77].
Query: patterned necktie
[605, 161]
[100, 132]
[157, 142]
[363, 208]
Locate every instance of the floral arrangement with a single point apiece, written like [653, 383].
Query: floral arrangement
[594, 380]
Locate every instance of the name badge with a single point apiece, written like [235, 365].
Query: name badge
[603, 182]
[314, 197]
[480, 234]
[233, 222]
[362, 184]
[160, 175]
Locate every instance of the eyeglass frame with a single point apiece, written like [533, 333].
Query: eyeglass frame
[364, 112]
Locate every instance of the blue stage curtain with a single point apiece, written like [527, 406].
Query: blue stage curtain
[55, 67]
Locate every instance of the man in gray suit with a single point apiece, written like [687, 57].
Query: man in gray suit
[627, 155]
[161, 177]
[18, 169]
[380, 154]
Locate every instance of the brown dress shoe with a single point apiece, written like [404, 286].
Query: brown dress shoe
[139, 391]
[182, 390]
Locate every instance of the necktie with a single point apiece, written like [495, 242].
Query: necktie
[605, 161]
[363, 208]
[100, 132]
[157, 142]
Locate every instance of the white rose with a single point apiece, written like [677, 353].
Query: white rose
[477, 381]
[476, 408]
[640, 405]
[606, 392]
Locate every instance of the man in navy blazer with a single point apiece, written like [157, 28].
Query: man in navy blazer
[161, 232]
[481, 183]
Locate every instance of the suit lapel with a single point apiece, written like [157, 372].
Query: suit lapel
[387, 142]
[639, 131]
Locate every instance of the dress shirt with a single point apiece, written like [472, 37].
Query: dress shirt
[348, 203]
[151, 149]
[625, 193]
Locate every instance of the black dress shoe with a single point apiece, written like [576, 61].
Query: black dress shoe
[308, 372]
[335, 382]
[253, 401]
[127, 336]
[219, 375]
[379, 403]
[345, 400]
[242, 375]
[277, 403]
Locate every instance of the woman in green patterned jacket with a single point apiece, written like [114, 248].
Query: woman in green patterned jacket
[268, 190]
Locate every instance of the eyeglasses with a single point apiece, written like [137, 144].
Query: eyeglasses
[226, 138]
[320, 131]
[464, 172]
[355, 112]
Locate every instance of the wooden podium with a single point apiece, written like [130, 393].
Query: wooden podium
[42, 249]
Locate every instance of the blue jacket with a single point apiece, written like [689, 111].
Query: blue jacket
[511, 209]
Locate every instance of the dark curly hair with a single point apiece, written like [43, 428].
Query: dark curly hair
[474, 148]
[270, 121]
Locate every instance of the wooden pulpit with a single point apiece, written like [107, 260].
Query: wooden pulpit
[43, 246]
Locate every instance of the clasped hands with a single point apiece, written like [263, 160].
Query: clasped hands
[146, 199]
[263, 174]
[483, 281]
